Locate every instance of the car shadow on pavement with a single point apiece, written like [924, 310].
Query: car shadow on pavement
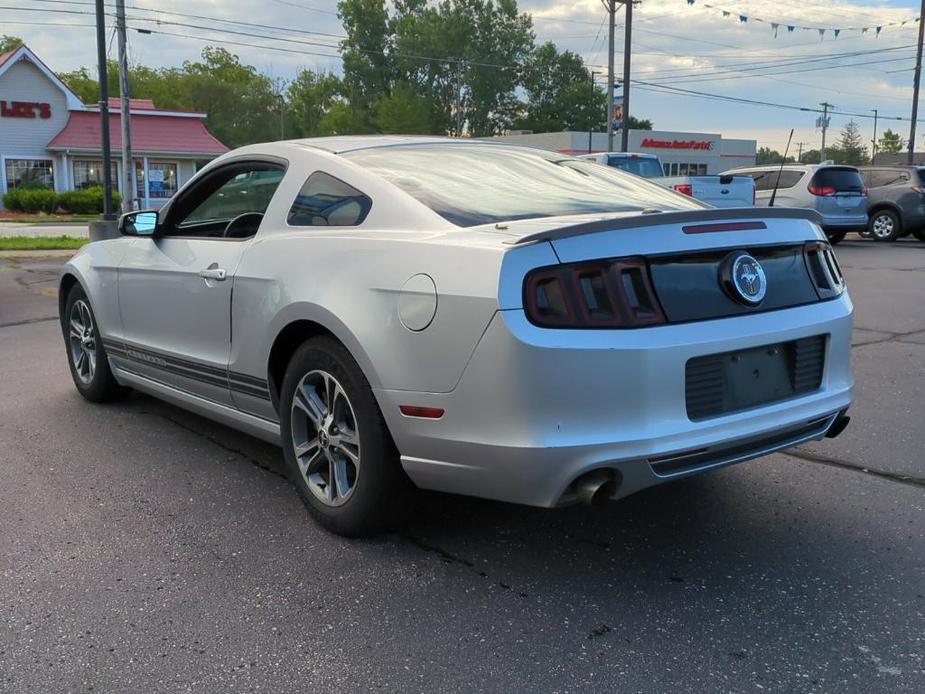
[759, 516]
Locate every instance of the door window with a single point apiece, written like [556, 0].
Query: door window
[228, 203]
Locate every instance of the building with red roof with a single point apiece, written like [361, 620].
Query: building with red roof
[49, 137]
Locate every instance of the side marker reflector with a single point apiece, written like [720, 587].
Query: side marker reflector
[423, 412]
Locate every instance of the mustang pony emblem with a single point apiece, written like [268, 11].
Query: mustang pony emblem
[742, 276]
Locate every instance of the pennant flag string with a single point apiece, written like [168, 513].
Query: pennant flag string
[775, 25]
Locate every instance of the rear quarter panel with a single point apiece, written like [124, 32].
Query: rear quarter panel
[350, 282]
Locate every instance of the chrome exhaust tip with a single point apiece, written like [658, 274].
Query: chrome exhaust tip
[838, 426]
[595, 487]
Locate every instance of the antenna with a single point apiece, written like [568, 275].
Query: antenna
[783, 159]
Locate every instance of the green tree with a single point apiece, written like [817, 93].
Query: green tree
[9, 43]
[890, 142]
[403, 111]
[368, 69]
[559, 93]
[851, 146]
[639, 123]
[312, 97]
[766, 155]
[242, 104]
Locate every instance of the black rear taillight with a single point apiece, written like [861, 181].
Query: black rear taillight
[823, 269]
[597, 294]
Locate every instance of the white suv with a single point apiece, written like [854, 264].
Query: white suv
[835, 192]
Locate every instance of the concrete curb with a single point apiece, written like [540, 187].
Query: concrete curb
[56, 253]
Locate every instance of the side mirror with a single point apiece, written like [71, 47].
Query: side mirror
[138, 223]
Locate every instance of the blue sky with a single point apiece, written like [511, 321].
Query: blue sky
[676, 45]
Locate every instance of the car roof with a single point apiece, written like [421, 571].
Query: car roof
[793, 167]
[347, 143]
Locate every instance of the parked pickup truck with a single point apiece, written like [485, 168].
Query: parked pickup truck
[719, 191]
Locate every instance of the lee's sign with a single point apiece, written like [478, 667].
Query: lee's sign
[677, 144]
[24, 109]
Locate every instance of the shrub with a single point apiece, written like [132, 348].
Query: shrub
[30, 200]
[87, 201]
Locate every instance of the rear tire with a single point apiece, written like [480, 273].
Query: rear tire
[884, 225]
[87, 357]
[835, 236]
[338, 450]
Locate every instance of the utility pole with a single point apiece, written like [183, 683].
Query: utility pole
[128, 168]
[612, 11]
[824, 121]
[627, 51]
[282, 113]
[459, 114]
[918, 76]
[104, 108]
[873, 149]
[591, 112]
[800, 146]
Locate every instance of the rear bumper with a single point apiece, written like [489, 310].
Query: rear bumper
[850, 222]
[536, 408]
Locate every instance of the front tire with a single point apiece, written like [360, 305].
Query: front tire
[337, 448]
[884, 225]
[87, 357]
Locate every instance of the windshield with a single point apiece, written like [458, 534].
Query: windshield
[641, 166]
[470, 183]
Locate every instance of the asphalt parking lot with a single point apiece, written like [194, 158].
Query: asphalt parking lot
[144, 549]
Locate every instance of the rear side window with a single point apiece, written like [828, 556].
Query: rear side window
[880, 178]
[641, 166]
[760, 178]
[788, 179]
[841, 178]
[325, 201]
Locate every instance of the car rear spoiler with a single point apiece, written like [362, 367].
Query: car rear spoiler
[648, 218]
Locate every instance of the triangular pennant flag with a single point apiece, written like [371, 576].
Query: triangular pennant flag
[743, 18]
[836, 32]
[821, 33]
[726, 14]
[790, 28]
[879, 29]
[774, 28]
[690, 2]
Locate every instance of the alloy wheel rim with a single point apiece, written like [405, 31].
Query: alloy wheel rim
[325, 438]
[882, 226]
[82, 341]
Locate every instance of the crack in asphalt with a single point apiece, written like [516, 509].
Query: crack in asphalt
[854, 467]
[891, 337]
[256, 462]
[449, 558]
[27, 321]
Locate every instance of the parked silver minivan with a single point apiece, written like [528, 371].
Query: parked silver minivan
[835, 192]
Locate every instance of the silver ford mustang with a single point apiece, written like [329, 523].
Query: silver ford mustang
[476, 318]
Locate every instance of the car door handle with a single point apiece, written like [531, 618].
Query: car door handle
[213, 272]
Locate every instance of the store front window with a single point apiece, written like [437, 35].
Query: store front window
[30, 173]
[162, 181]
[88, 173]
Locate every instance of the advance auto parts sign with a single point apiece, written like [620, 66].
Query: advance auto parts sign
[24, 109]
[678, 144]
